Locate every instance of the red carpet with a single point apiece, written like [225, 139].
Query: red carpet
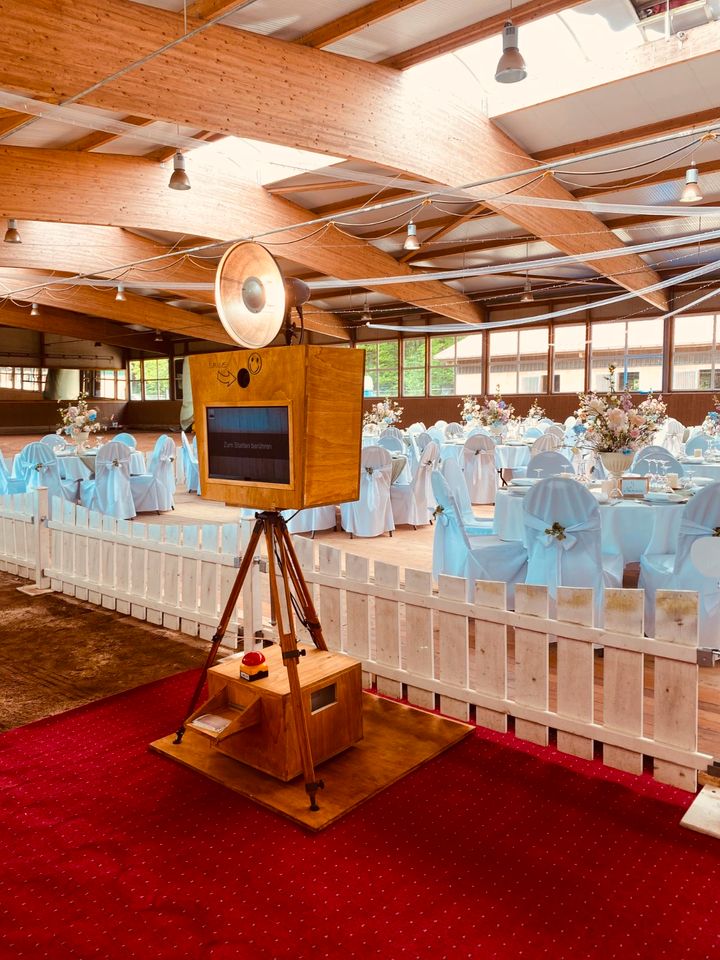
[487, 852]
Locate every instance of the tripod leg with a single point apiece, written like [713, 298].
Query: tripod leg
[223, 623]
[290, 653]
[303, 591]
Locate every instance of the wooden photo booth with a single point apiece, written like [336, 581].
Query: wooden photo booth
[280, 427]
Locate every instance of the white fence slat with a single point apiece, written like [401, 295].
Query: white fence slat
[489, 666]
[419, 659]
[252, 598]
[209, 595]
[305, 552]
[357, 640]
[623, 678]
[154, 582]
[171, 580]
[122, 566]
[676, 697]
[107, 561]
[387, 628]
[330, 609]
[531, 662]
[93, 558]
[575, 670]
[189, 580]
[138, 555]
[453, 665]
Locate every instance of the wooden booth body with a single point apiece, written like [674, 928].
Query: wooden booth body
[262, 731]
[279, 428]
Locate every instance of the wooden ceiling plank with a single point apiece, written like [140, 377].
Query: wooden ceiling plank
[132, 192]
[354, 21]
[314, 187]
[207, 9]
[272, 90]
[489, 27]
[98, 138]
[619, 138]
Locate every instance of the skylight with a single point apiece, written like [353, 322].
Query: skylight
[267, 163]
[563, 52]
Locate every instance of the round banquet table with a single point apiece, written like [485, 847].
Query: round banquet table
[697, 467]
[74, 466]
[510, 456]
[452, 450]
[628, 526]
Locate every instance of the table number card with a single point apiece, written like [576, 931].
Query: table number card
[634, 486]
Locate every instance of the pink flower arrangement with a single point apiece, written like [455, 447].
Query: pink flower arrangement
[610, 422]
[495, 412]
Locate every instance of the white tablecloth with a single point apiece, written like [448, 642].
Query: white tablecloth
[627, 525]
[510, 456]
[452, 449]
[699, 468]
[82, 466]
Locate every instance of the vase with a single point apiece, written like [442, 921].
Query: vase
[616, 463]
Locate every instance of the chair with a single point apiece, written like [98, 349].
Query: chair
[392, 432]
[162, 467]
[409, 501]
[670, 436]
[548, 441]
[458, 554]
[417, 427]
[455, 479]
[310, 520]
[371, 514]
[698, 442]
[641, 460]
[36, 466]
[563, 540]
[667, 571]
[392, 444]
[440, 424]
[109, 492]
[9, 483]
[52, 440]
[478, 466]
[551, 463]
[422, 439]
[555, 430]
[190, 465]
[532, 433]
[128, 439]
[437, 434]
[454, 430]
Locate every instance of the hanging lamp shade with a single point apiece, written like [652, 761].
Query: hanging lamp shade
[527, 294]
[511, 66]
[691, 191]
[179, 179]
[12, 234]
[411, 240]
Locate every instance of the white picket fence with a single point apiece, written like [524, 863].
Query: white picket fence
[441, 650]
[435, 648]
[175, 576]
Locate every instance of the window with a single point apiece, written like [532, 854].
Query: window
[110, 384]
[569, 358]
[519, 360]
[381, 368]
[696, 358]
[23, 378]
[456, 366]
[150, 379]
[634, 347]
[413, 375]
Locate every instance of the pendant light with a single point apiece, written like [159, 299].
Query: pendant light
[34, 310]
[179, 179]
[12, 234]
[411, 240]
[120, 295]
[511, 66]
[527, 294]
[691, 191]
[366, 315]
[158, 337]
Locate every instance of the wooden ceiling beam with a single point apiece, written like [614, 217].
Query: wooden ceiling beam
[474, 32]
[257, 86]
[619, 138]
[207, 9]
[354, 21]
[98, 138]
[134, 309]
[314, 187]
[106, 189]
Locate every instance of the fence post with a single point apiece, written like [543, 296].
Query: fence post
[42, 538]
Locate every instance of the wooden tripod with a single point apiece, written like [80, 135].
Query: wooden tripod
[283, 567]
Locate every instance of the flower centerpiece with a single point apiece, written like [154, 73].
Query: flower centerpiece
[536, 412]
[495, 413]
[711, 423]
[78, 421]
[613, 427]
[385, 413]
[470, 411]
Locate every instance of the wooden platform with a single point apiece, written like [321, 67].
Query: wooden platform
[397, 740]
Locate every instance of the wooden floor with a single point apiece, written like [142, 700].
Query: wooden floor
[407, 548]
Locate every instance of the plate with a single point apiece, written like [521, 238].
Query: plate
[661, 497]
[523, 481]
